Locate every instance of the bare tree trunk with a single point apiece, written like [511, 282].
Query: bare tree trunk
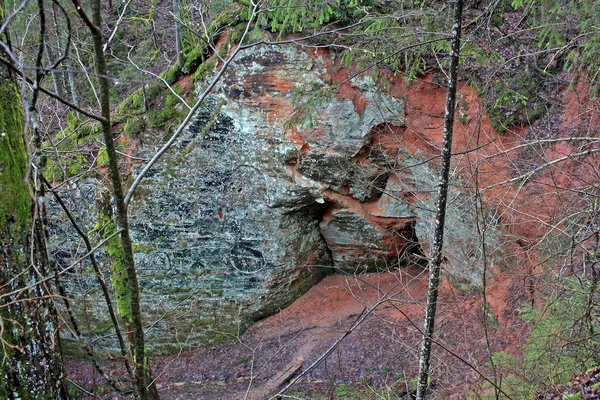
[74, 96]
[57, 77]
[438, 241]
[31, 365]
[178, 33]
[144, 385]
[55, 83]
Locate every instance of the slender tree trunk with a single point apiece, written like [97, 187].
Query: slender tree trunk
[436, 258]
[31, 365]
[144, 386]
[55, 83]
[72, 86]
[178, 33]
[58, 77]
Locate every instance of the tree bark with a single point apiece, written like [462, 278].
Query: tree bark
[144, 385]
[178, 33]
[31, 365]
[72, 86]
[438, 241]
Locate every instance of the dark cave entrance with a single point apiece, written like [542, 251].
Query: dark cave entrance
[412, 254]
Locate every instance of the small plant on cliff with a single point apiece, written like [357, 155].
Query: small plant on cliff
[568, 30]
[563, 341]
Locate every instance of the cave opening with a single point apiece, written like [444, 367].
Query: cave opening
[412, 254]
[321, 210]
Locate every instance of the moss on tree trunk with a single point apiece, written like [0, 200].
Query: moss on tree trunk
[30, 361]
[120, 276]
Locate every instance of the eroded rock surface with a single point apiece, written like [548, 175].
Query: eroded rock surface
[246, 213]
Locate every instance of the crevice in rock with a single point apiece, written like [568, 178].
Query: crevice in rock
[413, 253]
[323, 210]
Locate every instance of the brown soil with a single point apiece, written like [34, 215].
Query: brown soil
[382, 349]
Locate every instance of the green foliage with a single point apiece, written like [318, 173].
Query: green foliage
[562, 341]
[308, 100]
[567, 29]
[514, 100]
[402, 41]
[71, 151]
[285, 16]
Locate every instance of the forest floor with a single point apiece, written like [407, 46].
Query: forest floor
[376, 360]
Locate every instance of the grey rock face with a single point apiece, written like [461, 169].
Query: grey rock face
[243, 216]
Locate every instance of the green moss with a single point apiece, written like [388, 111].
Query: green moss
[195, 57]
[161, 118]
[134, 126]
[15, 217]
[224, 19]
[236, 34]
[73, 348]
[171, 101]
[133, 105]
[102, 327]
[15, 203]
[102, 158]
[172, 74]
[154, 90]
[102, 155]
[69, 154]
[178, 289]
[119, 277]
[141, 248]
[77, 165]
